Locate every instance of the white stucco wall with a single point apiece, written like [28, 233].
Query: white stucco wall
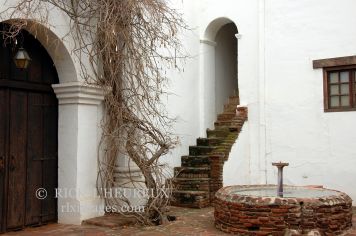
[279, 40]
[290, 120]
[183, 102]
[194, 96]
[237, 168]
[319, 146]
[193, 101]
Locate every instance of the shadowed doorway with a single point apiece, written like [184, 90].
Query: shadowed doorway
[28, 136]
[226, 83]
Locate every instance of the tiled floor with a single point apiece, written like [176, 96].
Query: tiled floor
[189, 222]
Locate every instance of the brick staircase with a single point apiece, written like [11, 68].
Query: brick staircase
[200, 174]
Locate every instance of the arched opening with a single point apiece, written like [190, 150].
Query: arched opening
[219, 66]
[75, 100]
[28, 136]
[55, 48]
[226, 84]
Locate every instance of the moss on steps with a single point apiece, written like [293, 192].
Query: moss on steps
[201, 173]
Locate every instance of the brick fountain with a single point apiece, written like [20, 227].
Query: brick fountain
[282, 210]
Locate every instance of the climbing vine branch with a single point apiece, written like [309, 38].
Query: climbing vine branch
[124, 47]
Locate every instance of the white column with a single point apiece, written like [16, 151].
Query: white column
[128, 177]
[127, 173]
[207, 85]
[80, 113]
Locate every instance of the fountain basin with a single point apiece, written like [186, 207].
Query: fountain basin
[255, 210]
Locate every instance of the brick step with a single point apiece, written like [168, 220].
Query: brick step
[191, 199]
[225, 151]
[195, 161]
[234, 129]
[228, 129]
[216, 156]
[200, 150]
[201, 172]
[192, 172]
[230, 107]
[240, 118]
[234, 122]
[226, 116]
[225, 146]
[208, 141]
[234, 100]
[221, 133]
[202, 160]
[193, 184]
[231, 128]
[228, 123]
[232, 136]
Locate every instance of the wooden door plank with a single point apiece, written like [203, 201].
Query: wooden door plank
[3, 114]
[17, 160]
[34, 152]
[50, 162]
[30, 139]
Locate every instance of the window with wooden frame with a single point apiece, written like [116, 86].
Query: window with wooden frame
[340, 89]
[339, 83]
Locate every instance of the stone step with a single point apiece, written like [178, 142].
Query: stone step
[191, 199]
[208, 141]
[195, 161]
[192, 172]
[193, 184]
[226, 116]
[200, 150]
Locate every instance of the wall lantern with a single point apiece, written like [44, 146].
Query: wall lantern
[22, 59]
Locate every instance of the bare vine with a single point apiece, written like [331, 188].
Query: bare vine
[123, 46]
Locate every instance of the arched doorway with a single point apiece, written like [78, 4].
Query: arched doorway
[28, 136]
[218, 69]
[225, 65]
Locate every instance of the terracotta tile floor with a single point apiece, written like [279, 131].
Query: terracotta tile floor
[189, 222]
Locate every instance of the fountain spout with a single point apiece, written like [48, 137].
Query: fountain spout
[280, 166]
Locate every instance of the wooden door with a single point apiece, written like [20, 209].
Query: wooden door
[28, 137]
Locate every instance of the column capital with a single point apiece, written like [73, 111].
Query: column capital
[209, 42]
[78, 93]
